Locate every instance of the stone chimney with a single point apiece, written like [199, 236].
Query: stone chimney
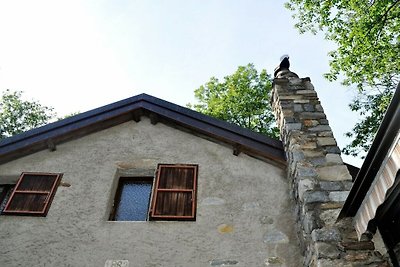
[318, 178]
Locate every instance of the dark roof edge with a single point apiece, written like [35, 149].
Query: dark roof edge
[67, 121]
[216, 122]
[383, 140]
[170, 111]
[353, 170]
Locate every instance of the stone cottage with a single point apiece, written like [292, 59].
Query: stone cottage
[144, 182]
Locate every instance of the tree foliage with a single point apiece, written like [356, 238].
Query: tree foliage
[241, 98]
[367, 35]
[372, 107]
[18, 115]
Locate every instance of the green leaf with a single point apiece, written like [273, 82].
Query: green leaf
[17, 115]
[367, 36]
[242, 98]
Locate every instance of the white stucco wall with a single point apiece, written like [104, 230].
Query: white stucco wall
[244, 216]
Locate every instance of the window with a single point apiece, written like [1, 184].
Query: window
[173, 196]
[5, 192]
[175, 193]
[33, 193]
[132, 199]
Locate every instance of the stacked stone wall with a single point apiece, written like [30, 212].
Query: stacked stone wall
[319, 180]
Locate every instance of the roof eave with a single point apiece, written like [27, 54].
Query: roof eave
[384, 138]
[131, 109]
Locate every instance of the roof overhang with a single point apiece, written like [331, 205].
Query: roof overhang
[48, 136]
[378, 172]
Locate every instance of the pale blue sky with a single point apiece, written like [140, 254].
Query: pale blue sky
[79, 55]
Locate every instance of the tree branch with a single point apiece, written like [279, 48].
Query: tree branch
[382, 19]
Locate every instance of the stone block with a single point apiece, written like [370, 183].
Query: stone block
[307, 84]
[333, 173]
[307, 92]
[305, 171]
[329, 217]
[326, 235]
[310, 123]
[330, 186]
[287, 113]
[297, 108]
[318, 161]
[347, 185]
[292, 126]
[301, 101]
[357, 256]
[294, 79]
[357, 245]
[338, 196]
[312, 115]
[319, 108]
[333, 159]
[326, 251]
[315, 196]
[275, 237]
[289, 120]
[309, 107]
[324, 121]
[352, 236]
[320, 128]
[290, 97]
[325, 134]
[331, 205]
[280, 83]
[326, 141]
[313, 153]
[303, 186]
[309, 145]
[310, 222]
[333, 149]
[297, 156]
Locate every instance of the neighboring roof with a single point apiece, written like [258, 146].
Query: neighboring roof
[242, 140]
[353, 170]
[384, 139]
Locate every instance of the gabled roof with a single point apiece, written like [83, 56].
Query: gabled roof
[48, 136]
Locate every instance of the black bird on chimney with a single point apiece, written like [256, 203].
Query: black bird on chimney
[285, 64]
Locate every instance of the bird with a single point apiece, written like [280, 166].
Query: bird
[285, 64]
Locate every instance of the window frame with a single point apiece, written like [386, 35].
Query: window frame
[5, 195]
[49, 198]
[157, 189]
[118, 193]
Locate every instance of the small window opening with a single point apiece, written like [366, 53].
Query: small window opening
[132, 199]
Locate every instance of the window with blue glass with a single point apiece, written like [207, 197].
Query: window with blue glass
[132, 199]
[173, 195]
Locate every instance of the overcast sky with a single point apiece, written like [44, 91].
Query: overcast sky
[79, 55]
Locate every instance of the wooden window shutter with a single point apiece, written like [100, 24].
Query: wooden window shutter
[174, 196]
[33, 194]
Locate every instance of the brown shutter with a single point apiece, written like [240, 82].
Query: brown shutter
[33, 194]
[175, 192]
